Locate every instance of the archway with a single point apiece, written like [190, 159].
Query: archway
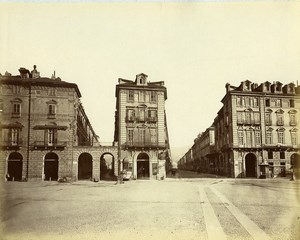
[250, 162]
[107, 166]
[295, 164]
[51, 167]
[85, 166]
[143, 170]
[14, 167]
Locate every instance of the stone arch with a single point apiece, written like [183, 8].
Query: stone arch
[250, 165]
[85, 166]
[14, 167]
[107, 166]
[50, 167]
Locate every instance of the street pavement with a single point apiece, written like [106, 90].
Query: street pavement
[179, 207]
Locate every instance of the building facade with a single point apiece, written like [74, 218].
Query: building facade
[44, 132]
[256, 131]
[141, 128]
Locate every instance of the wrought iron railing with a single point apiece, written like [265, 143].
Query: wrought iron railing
[10, 143]
[47, 144]
[145, 144]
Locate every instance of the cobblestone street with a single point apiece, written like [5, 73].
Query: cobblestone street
[177, 208]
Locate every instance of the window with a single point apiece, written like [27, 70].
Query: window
[281, 136]
[255, 102]
[293, 121]
[153, 96]
[248, 117]
[152, 114]
[15, 136]
[292, 103]
[257, 138]
[153, 135]
[131, 95]
[142, 114]
[294, 138]
[16, 89]
[249, 137]
[142, 96]
[51, 109]
[241, 137]
[282, 155]
[16, 110]
[267, 102]
[256, 118]
[280, 121]
[51, 137]
[130, 115]
[130, 136]
[278, 103]
[240, 117]
[239, 101]
[51, 91]
[268, 119]
[270, 155]
[141, 135]
[269, 138]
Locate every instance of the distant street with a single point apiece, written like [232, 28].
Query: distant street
[176, 208]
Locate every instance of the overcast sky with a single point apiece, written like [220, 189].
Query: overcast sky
[196, 48]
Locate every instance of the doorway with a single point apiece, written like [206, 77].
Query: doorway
[51, 167]
[14, 167]
[107, 167]
[143, 170]
[250, 162]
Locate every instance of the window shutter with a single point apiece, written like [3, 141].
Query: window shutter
[55, 136]
[46, 137]
[10, 135]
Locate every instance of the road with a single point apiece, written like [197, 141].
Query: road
[175, 208]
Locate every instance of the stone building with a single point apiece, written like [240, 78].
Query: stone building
[141, 128]
[256, 131]
[44, 132]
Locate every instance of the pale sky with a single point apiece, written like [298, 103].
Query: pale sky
[196, 48]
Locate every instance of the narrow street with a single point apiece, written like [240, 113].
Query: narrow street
[176, 208]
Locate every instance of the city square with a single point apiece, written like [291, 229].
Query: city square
[181, 207]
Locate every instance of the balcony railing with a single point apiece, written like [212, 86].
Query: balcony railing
[145, 144]
[51, 115]
[16, 115]
[46, 145]
[140, 119]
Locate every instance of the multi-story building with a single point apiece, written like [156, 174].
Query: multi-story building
[203, 152]
[256, 130]
[141, 128]
[42, 122]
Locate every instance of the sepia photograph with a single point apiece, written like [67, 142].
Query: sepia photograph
[142, 120]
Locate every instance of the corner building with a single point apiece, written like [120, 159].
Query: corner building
[256, 133]
[141, 128]
[44, 131]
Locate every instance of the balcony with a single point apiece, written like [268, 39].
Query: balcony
[43, 145]
[11, 145]
[293, 123]
[130, 118]
[145, 144]
[51, 116]
[152, 119]
[15, 115]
